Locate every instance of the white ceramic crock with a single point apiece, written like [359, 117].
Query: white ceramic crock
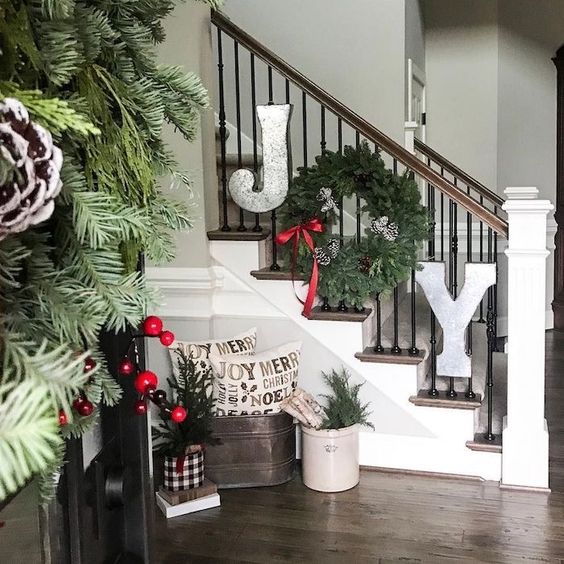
[330, 458]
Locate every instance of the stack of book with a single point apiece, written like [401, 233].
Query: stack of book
[182, 502]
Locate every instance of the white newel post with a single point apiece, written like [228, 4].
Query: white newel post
[525, 432]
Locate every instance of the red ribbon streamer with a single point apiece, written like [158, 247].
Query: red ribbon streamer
[180, 464]
[295, 233]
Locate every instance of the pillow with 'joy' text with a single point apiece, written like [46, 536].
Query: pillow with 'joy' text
[243, 344]
[255, 385]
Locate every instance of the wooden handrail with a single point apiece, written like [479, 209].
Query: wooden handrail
[366, 129]
[471, 182]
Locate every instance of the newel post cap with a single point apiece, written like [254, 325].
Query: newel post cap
[521, 192]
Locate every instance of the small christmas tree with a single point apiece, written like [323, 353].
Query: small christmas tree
[191, 389]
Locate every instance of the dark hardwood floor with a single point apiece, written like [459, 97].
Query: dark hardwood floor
[388, 518]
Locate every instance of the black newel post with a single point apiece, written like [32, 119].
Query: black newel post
[558, 303]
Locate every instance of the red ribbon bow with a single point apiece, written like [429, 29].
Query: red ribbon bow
[295, 233]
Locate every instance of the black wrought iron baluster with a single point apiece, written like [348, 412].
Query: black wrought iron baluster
[481, 318]
[432, 219]
[304, 126]
[270, 87]
[342, 307]
[450, 246]
[275, 267]
[222, 133]
[490, 334]
[358, 206]
[323, 142]
[442, 242]
[470, 394]
[325, 305]
[341, 201]
[238, 123]
[495, 285]
[395, 346]
[413, 350]
[378, 348]
[433, 392]
[257, 228]
[453, 250]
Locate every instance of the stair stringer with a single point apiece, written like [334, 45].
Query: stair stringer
[407, 436]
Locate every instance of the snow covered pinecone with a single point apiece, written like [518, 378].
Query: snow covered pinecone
[333, 247]
[383, 226]
[30, 177]
[322, 256]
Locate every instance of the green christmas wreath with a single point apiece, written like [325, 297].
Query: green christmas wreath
[395, 224]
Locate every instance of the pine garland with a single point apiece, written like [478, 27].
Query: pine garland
[387, 252]
[87, 72]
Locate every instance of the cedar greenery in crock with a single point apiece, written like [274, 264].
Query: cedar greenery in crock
[344, 407]
[397, 223]
[191, 388]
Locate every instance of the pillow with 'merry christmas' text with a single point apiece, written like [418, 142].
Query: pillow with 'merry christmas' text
[255, 385]
[243, 344]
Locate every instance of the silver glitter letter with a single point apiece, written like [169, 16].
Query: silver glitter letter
[274, 120]
[455, 315]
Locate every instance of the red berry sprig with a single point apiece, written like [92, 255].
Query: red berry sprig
[146, 381]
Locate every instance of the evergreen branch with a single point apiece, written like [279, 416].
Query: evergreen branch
[29, 433]
[58, 371]
[55, 114]
[101, 219]
[60, 50]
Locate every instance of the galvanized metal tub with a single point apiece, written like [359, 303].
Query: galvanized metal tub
[255, 450]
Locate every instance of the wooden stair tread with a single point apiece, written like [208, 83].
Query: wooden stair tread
[318, 314]
[481, 444]
[386, 357]
[267, 274]
[234, 235]
[442, 400]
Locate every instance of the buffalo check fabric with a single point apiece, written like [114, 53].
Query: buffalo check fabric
[191, 476]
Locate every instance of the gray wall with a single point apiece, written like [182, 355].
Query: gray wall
[491, 88]
[188, 44]
[461, 71]
[530, 32]
[415, 33]
[353, 50]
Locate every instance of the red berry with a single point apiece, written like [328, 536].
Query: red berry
[167, 338]
[63, 419]
[126, 367]
[89, 364]
[78, 402]
[146, 380]
[159, 396]
[85, 408]
[152, 326]
[178, 414]
[140, 407]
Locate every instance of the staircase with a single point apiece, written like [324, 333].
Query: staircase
[423, 421]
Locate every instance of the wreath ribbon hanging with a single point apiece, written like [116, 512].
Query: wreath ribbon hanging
[315, 225]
